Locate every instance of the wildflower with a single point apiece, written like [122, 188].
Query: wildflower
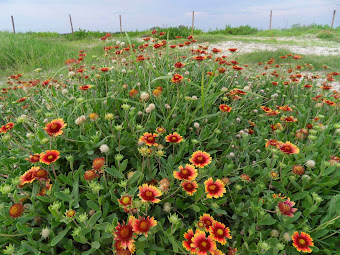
[188, 173]
[225, 108]
[272, 142]
[33, 158]
[149, 193]
[124, 234]
[189, 187]
[214, 189]
[265, 109]
[302, 242]
[173, 138]
[16, 210]
[49, 157]
[104, 148]
[289, 119]
[144, 96]
[143, 225]
[55, 127]
[93, 116]
[298, 169]
[45, 233]
[187, 242]
[85, 87]
[41, 174]
[200, 159]
[80, 120]
[160, 130]
[125, 200]
[203, 245]
[149, 139]
[232, 49]
[207, 220]
[286, 208]
[177, 78]
[310, 163]
[288, 148]
[70, 213]
[219, 232]
[164, 184]
[133, 92]
[7, 127]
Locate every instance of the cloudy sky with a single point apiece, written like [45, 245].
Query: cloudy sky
[103, 15]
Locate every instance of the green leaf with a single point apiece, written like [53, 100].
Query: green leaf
[135, 177]
[300, 195]
[93, 205]
[60, 236]
[95, 245]
[267, 221]
[114, 172]
[94, 218]
[196, 208]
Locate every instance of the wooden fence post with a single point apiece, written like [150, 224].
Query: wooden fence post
[270, 20]
[192, 25]
[13, 24]
[333, 19]
[71, 23]
[120, 23]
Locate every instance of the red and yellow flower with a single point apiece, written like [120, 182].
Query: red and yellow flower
[16, 210]
[149, 193]
[207, 220]
[125, 200]
[177, 78]
[202, 244]
[149, 139]
[187, 242]
[214, 189]
[143, 225]
[288, 148]
[98, 163]
[225, 108]
[49, 157]
[33, 158]
[55, 127]
[28, 176]
[7, 127]
[289, 119]
[90, 175]
[125, 234]
[174, 138]
[200, 159]
[219, 232]
[188, 173]
[189, 187]
[302, 242]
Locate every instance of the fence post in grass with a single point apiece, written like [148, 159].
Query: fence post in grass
[13, 24]
[192, 24]
[270, 20]
[71, 23]
[120, 23]
[333, 19]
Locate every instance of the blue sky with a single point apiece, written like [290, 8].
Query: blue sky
[52, 15]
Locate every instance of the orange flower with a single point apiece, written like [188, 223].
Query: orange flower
[16, 210]
[98, 163]
[41, 175]
[125, 200]
[188, 173]
[133, 92]
[219, 232]
[143, 225]
[199, 58]
[232, 49]
[265, 109]
[285, 108]
[187, 243]
[6, 127]
[272, 113]
[173, 138]
[124, 233]
[55, 127]
[28, 176]
[33, 158]
[200, 159]
[288, 148]
[149, 193]
[225, 108]
[49, 157]
[286, 208]
[215, 50]
[207, 220]
[70, 213]
[177, 78]
[203, 245]
[289, 119]
[104, 69]
[160, 130]
[189, 187]
[179, 64]
[302, 242]
[90, 175]
[149, 139]
[214, 189]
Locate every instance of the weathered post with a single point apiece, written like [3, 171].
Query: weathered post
[71, 23]
[120, 22]
[270, 20]
[192, 25]
[13, 24]
[333, 18]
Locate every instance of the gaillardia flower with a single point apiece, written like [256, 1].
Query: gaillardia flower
[149, 193]
[286, 208]
[124, 233]
[143, 225]
[33, 158]
[207, 220]
[219, 232]
[187, 242]
[173, 138]
[188, 173]
[225, 108]
[203, 245]
[189, 187]
[302, 242]
[177, 78]
[55, 127]
[200, 159]
[28, 176]
[16, 210]
[49, 157]
[214, 189]
[98, 163]
[149, 139]
[288, 148]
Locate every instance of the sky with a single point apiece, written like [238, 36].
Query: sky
[103, 15]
